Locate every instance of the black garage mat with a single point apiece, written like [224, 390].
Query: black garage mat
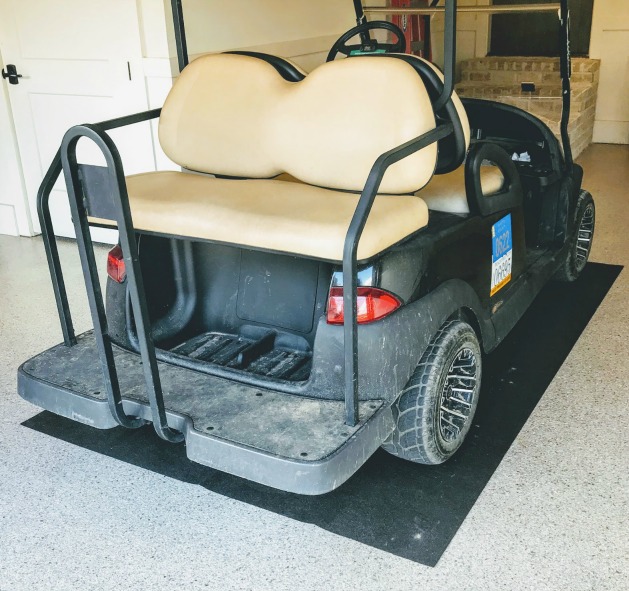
[409, 510]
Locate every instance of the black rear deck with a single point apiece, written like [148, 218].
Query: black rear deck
[292, 442]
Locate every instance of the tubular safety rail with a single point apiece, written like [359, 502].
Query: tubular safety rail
[47, 230]
[64, 156]
[117, 186]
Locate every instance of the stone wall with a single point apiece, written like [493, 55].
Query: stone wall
[500, 78]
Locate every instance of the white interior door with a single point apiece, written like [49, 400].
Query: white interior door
[80, 62]
[14, 218]
[610, 43]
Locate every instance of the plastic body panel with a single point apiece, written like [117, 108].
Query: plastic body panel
[441, 272]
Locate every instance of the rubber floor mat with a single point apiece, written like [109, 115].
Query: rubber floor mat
[406, 509]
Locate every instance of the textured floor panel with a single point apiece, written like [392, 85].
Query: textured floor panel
[224, 349]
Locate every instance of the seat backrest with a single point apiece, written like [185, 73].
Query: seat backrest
[452, 148]
[235, 115]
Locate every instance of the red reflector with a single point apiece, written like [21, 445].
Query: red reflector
[372, 303]
[115, 265]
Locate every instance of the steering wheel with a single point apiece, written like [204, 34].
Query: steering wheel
[369, 45]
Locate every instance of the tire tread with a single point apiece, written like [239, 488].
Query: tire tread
[409, 439]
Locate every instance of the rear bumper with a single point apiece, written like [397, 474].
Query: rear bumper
[293, 443]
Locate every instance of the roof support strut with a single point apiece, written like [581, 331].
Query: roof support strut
[180, 34]
[566, 72]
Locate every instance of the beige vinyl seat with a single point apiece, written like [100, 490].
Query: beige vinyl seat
[235, 116]
[273, 215]
[446, 191]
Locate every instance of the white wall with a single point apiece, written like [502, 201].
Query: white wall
[294, 29]
[13, 217]
[472, 33]
[158, 60]
[610, 43]
[302, 30]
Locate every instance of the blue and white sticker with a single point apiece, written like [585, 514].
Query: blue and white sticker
[502, 254]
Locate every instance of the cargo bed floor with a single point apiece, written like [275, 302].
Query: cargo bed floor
[283, 440]
[259, 356]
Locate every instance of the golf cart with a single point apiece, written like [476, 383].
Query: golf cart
[325, 273]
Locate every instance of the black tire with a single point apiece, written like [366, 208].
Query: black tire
[580, 241]
[423, 433]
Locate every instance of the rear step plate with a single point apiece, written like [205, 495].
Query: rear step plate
[286, 441]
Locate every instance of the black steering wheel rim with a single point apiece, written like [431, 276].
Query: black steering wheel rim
[340, 45]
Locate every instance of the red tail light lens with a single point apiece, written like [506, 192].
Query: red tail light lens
[115, 265]
[373, 304]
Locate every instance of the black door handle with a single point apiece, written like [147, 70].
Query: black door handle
[11, 74]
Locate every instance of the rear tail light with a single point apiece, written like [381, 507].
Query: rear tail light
[372, 303]
[115, 265]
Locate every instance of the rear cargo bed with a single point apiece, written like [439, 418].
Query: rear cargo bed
[291, 442]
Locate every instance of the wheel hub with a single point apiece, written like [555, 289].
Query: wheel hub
[457, 397]
[584, 237]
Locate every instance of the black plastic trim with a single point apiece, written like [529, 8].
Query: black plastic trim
[509, 196]
[482, 109]
[287, 70]
[452, 149]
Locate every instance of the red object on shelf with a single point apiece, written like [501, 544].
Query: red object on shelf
[416, 28]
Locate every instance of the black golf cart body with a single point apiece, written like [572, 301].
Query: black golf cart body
[231, 347]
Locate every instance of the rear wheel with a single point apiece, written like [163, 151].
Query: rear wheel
[581, 242]
[435, 411]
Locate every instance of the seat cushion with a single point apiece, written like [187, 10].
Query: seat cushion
[271, 215]
[235, 115]
[452, 148]
[446, 192]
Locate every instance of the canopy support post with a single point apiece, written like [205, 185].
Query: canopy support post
[566, 72]
[180, 34]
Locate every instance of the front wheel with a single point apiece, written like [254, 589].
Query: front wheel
[581, 242]
[435, 410]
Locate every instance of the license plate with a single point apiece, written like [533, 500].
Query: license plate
[502, 254]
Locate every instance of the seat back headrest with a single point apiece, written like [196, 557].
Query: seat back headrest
[235, 115]
[452, 148]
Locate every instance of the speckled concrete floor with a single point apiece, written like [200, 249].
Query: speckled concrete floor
[553, 517]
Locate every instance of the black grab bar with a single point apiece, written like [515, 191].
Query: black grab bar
[120, 199]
